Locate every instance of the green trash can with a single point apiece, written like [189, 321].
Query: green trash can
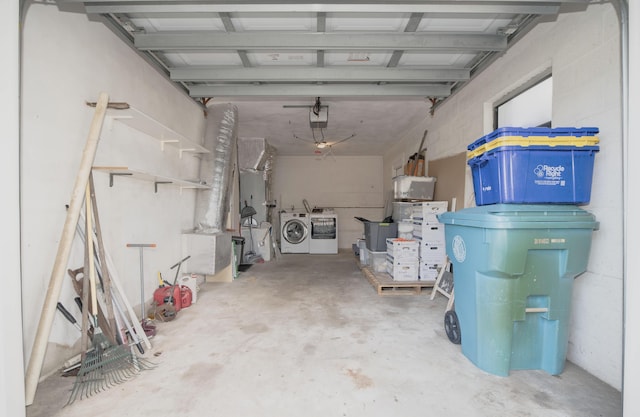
[513, 269]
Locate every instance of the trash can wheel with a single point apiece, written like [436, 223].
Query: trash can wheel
[452, 327]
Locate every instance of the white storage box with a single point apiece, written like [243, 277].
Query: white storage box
[403, 271]
[428, 232]
[413, 188]
[433, 253]
[428, 210]
[429, 272]
[378, 261]
[403, 249]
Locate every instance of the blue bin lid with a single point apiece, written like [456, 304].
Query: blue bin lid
[522, 216]
[534, 131]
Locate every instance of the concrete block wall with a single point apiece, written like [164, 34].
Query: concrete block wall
[582, 50]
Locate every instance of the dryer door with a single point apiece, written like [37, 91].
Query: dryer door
[294, 231]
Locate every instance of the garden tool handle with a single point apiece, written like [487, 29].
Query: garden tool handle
[180, 262]
[68, 315]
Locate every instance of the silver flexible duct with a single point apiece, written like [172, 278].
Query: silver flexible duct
[220, 139]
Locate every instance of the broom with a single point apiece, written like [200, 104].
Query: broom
[105, 365]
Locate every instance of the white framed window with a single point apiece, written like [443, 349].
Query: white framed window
[529, 106]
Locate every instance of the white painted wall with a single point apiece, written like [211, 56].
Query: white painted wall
[351, 185]
[631, 383]
[68, 60]
[583, 51]
[11, 357]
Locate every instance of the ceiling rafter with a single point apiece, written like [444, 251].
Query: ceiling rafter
[310, 74]
[412, 26]
[325, 90]
[229, 27]
[189, 6]
[321, 26]
[360, 48]
[283, 40]
[385, 62]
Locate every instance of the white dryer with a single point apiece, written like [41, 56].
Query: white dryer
[294, 236]
[323, 225]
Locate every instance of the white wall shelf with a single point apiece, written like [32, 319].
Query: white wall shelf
[144, 123]
[119, 171]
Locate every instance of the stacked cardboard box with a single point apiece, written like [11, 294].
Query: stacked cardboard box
[403, 259]
[429, 233]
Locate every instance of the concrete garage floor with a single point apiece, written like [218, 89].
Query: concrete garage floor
[307, 335]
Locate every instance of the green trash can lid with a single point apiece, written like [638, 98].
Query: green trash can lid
[522, 216]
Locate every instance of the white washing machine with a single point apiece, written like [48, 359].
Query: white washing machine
[323, 233]
[295, 232]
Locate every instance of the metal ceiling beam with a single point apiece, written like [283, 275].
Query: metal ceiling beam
[229, 27]
[321, 26]
[335, 90]
[312, 74]
[412, 26]
[300, 6]
[282, 40]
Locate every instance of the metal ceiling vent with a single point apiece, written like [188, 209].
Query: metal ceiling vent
[318, 115]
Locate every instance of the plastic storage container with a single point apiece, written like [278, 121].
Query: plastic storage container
[405, 230]
[533, 165]
[514, 267]
[401, 211]
[413, 188]
[376, 234]
[378, 261]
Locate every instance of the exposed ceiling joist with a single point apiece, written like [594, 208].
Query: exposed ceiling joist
[311, 74]
[174, 8]
[282, 40]
[229, 27]
[334, 90]
[383, 65]
[412, 26]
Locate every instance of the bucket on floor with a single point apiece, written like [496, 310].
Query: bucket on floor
[191, 281]
[405, 230]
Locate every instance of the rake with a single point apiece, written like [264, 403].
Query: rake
[105, 365]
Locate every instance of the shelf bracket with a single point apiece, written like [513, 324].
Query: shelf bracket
[182, 150]
[163, 141]
[120, 174]
[155, 184]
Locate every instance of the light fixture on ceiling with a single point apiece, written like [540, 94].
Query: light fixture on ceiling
[322, 143]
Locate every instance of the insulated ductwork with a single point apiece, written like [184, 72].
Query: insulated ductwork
[220, 139]
[253, 153]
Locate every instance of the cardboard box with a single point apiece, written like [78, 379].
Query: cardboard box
[403, 249]
[403, 271]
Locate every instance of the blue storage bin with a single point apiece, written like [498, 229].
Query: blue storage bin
[533, 166]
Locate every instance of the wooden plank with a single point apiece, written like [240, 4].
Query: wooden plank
[38, 351]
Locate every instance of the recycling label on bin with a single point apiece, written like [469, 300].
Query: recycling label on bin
[459, 248]
[549, 175]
